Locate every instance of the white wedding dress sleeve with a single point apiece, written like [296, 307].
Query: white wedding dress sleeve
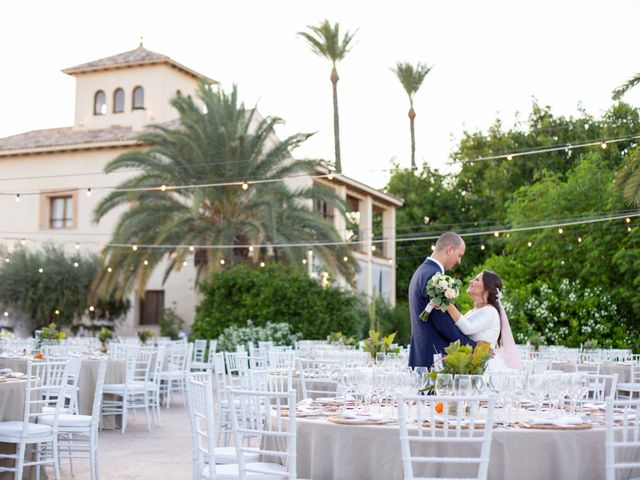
[481, 324]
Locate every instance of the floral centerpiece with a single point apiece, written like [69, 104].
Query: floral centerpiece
[462, 360]
[376, 343]
[144, 335]
[48, 335]
[105, 335]
[338, 338]
[442, 290]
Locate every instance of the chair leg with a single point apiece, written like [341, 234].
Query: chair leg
[93, 455]
[124, 415]
[56, 458]
[146, 410]
[20, 452]
[69, 440]
[38, 467]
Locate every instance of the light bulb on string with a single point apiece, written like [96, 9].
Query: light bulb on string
[191, 248]
[603, 145]
[509, 157]
[76, 264]
[304, 261]
[245, 186]
[222, 262]
[109, 269]
[57, 312]
[77, 246]
[391, 261]
[146, 262]
[89, 192]
[496, 234]
[579, 239]
[41, 270]
[7, 260]
[560, 231]
[628, 229]
[346, 259]
[251, 248]
[330, 176]
[373, 248]
[6, 314]
[163, 188]
[262, 264]
[184, 263]
[628, 220]
[17, 197]
[529, 244]
[92, 308]
[23, 242]
[481, 247]
[310, 252]
[134, 248]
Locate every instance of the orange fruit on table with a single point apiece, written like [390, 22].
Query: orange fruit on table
[439, 407]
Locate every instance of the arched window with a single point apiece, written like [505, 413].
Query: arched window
[138, 98]
[100, 103]
[118, 101]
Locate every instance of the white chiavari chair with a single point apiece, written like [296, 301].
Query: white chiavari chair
[631, 389]
[622, 439]
[464, 437]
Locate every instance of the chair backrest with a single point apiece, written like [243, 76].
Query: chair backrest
[622, 436]
[588, 368]
[237, 364]
[74, 365]
[602, 387]
[318, 378]
[178, 356]
[271, 379]
[200, 350]
[454, 424]
[281, 358]
[271, 416]
[44, 378]
[97, 396]
[635, 374]
[158, 364]
[202, 419]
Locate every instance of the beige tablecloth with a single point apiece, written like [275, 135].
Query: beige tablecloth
[328, 451]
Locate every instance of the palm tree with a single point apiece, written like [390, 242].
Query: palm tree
[325, 41]
[625, 87]
[215, 141]
[628, 179]
[411, 79]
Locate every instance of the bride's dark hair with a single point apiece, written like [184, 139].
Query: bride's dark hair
[492, 284]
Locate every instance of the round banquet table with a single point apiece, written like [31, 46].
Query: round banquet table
[331, 451]
[622, 369]
[86, 382]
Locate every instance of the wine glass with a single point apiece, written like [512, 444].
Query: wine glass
[444, 384]
[462, 385]
[536, 388]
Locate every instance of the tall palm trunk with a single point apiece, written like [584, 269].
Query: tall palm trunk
[336, 118]
[412, 116]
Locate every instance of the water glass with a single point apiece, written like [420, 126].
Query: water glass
[462, 385]
[444, 384]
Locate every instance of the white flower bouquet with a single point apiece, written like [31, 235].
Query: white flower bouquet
[442, 290]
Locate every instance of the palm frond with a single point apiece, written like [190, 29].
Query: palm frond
[625, 87]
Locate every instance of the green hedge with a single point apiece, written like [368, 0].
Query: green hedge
[275, 293]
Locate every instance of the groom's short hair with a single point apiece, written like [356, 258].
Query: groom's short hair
[448, 239]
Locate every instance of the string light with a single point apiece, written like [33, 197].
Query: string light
[529, 244]
[222, 261]
[134, 248]
[7, 260]
[23, 242]
[184, 263]
[89, 192]
[560, 231]
[57, 312]
[603, 145]
[251, 248]
[346, 259]
[433, 247]
[6, 314]
[496, 234]
[628, 229]
[373, 248]
[17, 197]
[191, 248]
[77, 246]
[146, 262]
[163, 188]
[391, 261]
[262, 264]
[628, 220]
[109, 269]
[509, 157]
[481, 247]
[92, 308]
[41, 270]
[579, 239]
[310, 252]
[76, 264]
[245, 186]
[304, 261]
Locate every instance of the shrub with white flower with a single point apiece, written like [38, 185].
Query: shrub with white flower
[442, 290]
[278, 333]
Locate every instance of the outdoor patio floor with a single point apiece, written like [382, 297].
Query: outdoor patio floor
[164, 453]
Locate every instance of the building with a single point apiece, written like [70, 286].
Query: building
[57, 175]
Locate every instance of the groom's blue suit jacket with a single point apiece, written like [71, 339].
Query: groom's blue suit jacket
[438, 331]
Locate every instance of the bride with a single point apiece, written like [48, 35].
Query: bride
[487, 321]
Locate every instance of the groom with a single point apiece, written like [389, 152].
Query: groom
[433, 335]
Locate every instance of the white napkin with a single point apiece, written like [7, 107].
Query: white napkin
[362, 416]
[560, 422]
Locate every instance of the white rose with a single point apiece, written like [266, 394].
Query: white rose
[443, 284]
[450, 293]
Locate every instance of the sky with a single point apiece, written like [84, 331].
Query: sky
[490, 59]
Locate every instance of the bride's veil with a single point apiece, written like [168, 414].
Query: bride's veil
[508, 347]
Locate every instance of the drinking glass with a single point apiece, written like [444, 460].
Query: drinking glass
[462, 385]
[537, 391]
[478, 385]
[444, 384]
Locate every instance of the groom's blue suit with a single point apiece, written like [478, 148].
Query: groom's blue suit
[438, 331]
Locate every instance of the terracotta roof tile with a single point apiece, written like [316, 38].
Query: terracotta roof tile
[68, 136]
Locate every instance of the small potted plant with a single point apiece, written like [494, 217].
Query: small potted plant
[105, 336]
[144, 335]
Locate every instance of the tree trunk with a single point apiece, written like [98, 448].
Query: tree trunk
[336, 118]
[412, 116]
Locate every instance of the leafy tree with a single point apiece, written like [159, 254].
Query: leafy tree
[325, 41]
[275, 293]
[411, 78]
[225, 143]
[47, 286]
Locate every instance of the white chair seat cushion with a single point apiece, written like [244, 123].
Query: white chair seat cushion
[629, 387]
[66, 420]
[273, 471]
[14, 428]
[226, 455]
[53, 410]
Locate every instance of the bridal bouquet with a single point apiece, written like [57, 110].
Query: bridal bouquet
[442, 290]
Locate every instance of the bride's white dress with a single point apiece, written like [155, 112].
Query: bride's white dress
[484, 324]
